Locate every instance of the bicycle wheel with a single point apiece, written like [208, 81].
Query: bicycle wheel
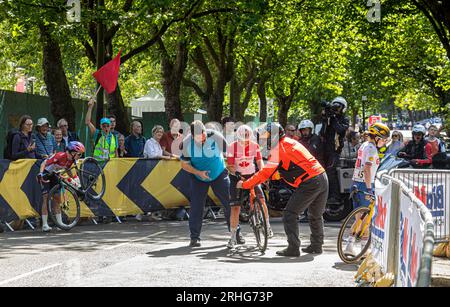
[92, 178]
[63, 200]
[259, 225]
[352, 242]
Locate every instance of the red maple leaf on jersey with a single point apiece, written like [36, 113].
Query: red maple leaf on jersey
[244, 164]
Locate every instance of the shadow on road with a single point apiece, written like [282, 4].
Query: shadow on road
[345, 267]
[244, 254]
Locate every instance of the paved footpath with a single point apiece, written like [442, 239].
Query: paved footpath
[441, 272]
[156, 254]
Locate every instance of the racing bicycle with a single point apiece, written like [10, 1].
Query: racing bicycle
[256, 215]
[66, 195]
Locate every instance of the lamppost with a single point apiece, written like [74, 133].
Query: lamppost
[364, 99]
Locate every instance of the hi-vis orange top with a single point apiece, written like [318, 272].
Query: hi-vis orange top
[293, 161]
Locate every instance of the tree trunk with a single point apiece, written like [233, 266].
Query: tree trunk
[172, 74]
[55, 79]
[234, 97]
[283, 109]
[117, 108]
[261, 90]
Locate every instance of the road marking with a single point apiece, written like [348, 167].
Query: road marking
[132, 241]
[29, 274]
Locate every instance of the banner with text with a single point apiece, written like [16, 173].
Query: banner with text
[411, 242]
[380, 226]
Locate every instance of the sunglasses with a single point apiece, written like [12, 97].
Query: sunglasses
[105, 126]
[395, 136]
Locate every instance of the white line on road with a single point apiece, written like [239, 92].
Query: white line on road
[132, 241]
[29, 274]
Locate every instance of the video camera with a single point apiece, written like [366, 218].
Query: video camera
[330, 108]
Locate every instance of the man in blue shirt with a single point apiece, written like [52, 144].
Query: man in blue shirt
[135, 142]
[202, 156]
[45, 141]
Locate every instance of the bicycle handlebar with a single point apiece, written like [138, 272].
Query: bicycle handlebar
[355, 190]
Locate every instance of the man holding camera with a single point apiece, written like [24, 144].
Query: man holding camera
[334, 126]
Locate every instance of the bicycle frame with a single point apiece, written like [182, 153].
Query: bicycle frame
[366, 220]
[80, 173]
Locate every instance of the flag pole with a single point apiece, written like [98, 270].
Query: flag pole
[96, 93]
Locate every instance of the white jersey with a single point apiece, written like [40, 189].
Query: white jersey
[367, 154]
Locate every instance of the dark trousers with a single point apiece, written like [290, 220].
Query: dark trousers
[312, 195]
[199, 192]
[331, 163]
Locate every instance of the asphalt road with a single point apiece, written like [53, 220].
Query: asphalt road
[157, 254]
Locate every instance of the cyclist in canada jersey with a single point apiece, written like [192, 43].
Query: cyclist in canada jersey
[241, 157]
[366, 169]
[48, 179]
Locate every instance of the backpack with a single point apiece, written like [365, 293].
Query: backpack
[7, 151]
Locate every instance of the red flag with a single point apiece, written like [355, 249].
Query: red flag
[108, 74]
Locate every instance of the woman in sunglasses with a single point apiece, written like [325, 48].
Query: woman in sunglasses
[396, 143]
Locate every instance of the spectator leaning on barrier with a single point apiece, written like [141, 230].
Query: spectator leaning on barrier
[60, 144]
[172, 139]
[202, 157]
[68, 136]
[45, 141]
[105, 142]
[437, 145]
[396, 144]
[417, 151]
[23, 145]
[122, 151]
[135, 142]
[153, 147]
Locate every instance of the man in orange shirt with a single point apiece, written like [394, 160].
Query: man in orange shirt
[301, 170]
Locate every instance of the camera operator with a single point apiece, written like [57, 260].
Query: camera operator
[334, 127]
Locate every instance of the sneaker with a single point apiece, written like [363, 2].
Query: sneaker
[349, 249]
[46, 228]
[312, 250]
[195, 243]
[231, 244]
[270, 232]
[289, 252]
[240, 238]
[138, 217]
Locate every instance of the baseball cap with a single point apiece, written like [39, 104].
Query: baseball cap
[105, 120]
[42, 121]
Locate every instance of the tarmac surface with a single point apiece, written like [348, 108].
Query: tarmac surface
[157, 254]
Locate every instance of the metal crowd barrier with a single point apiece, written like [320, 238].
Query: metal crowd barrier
[424, 272]
[432, 187]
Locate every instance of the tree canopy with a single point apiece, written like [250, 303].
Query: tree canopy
[234, 57]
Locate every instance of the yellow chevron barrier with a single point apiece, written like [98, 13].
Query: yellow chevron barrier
[132, 186]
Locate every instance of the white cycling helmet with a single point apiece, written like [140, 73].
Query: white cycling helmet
[244, 133]
[306, 124]
[419, 129]
[342, 101]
